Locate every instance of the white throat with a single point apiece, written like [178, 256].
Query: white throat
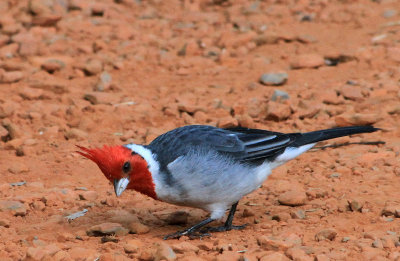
[152, 163]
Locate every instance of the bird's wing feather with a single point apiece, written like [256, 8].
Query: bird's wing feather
[245, 145]
[262, 145]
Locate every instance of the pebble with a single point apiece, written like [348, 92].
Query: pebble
[188, 107]
[138, 228]
[245, 121]
[107, 229]
[4, 222]
[184, 247]
[104, 82]
[3, 133]
[322, 257]
[389, 241]
[279, 95]
[61, 256]
[298, 214]
[9, 51]
[274, 244]
[391, 210]
[388, 13]
[13, 144]
[335, 175]
[80, 253]
[164, 252]
[18, 168]
[11, 77]
[351, 92]
[267, 39]
[281, 217]
[255, 107]
[42, 252]
[370, 253]
[377, 244]
[28, 93]
[64, 237]
[38, 205]
[38, 7]
[177, 218]
[293, 198]
[88, 195]
[93, 67]
[133, 246]
[52, 65]
[324, 234]
[356, 205]
[48, 82]
[101, 98]
[46, 19]
[275, 257]
[227, 122]
[345, 239]
[4, 39]
[206, 246]
[296, 253]
[76, 215]
[274, 79]
[15, 207]
[76, 134]
[353, 119]
[248, 213]
[98, 10]
[307, 61]
[370, 235]
[278, 111]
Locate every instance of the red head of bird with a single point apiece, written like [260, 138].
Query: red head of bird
[124, 168]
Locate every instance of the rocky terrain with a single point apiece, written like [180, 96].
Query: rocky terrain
[112, 72]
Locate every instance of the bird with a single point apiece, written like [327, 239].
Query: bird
[205, 167]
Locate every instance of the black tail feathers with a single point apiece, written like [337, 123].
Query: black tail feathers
[315, 136]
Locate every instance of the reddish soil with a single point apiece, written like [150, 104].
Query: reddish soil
[113, 72]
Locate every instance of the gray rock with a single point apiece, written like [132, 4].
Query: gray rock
[274, 78]
[17, 184]
[298, 214]
[345, 239]
[104, 82]
[16, 207]
[76, 215]
[388, 13]
[335, 175]
[280, 95]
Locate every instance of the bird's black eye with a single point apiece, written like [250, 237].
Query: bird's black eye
[126, 167]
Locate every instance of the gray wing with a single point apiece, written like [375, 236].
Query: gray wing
[245, 145]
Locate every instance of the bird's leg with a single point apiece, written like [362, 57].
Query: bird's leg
[191, 231]
[228, 223]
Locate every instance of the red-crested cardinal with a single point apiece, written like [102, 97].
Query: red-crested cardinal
[205, 167]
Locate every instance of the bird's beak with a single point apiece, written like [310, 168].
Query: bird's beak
[120, 185]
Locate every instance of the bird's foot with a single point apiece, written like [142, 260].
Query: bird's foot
[189, 233]
[223, 228]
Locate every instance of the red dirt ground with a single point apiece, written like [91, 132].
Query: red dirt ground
[113, 72]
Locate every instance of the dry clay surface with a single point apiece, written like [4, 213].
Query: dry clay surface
[113, 72]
